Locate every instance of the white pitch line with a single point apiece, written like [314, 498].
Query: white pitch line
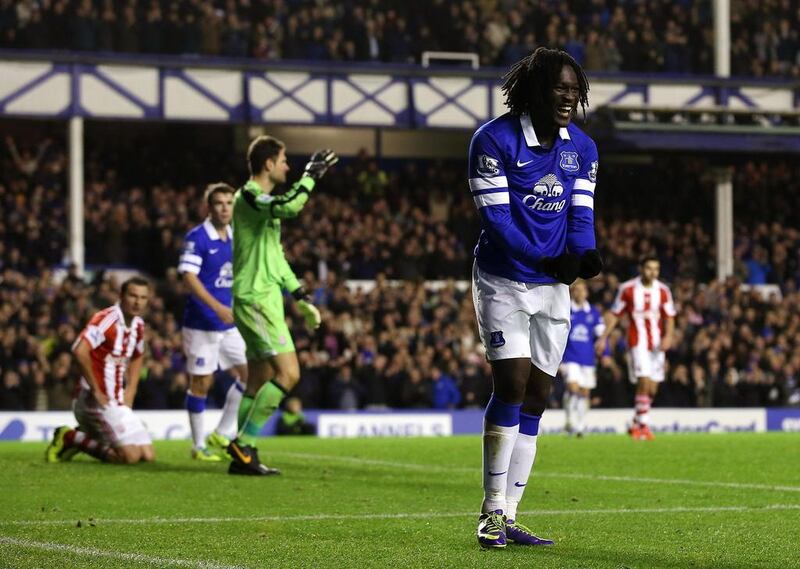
[611, 478]
[92, 552]
[406, 515]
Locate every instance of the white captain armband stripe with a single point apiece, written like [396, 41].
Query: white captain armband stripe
[190, 258]
[583, 200]
[476, 184]
[496, 198]
[188, 268]
[583, 184]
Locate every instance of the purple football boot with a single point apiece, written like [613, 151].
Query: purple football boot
[492, 529]
[519, 534]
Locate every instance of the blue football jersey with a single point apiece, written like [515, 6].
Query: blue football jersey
[534, 202]
[211, 259]
[587, 326]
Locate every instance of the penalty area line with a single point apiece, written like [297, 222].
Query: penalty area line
[407, 515]
[119, 555]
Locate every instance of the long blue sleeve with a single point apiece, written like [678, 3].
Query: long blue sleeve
[580, 217]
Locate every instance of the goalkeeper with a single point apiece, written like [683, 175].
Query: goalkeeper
[260, 274]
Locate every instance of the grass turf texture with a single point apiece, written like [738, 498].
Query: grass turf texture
[723, 501]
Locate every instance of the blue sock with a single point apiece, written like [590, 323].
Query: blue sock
[529, 424]
[195, 404]
[502, 414]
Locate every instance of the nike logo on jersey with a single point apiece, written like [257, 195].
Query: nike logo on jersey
[212, 251]
[521, 164]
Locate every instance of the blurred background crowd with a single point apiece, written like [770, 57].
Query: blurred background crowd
[384, 343]
[603, 35]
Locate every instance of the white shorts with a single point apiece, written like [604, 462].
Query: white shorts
[206, 350]
[646, 363]
[521, 320]
[113, 425]
[584, 376]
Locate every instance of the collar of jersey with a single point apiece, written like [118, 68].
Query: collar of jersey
[212, 232]
[585, 307]
[530, 133]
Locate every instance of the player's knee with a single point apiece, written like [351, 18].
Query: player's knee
[148, 454]
[129, 454]
[199, 385]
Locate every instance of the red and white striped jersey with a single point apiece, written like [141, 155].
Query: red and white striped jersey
[647, 309]
[113, 345]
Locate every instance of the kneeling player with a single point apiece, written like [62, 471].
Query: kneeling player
[578, 368]
[109, 354]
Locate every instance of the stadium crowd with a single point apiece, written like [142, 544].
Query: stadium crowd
[412, 345]
[603, 35]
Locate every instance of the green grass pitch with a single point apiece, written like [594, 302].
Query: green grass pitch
[716, 501]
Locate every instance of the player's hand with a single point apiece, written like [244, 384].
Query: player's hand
[310, 314]
[563, 268]
[225, 314]
[591, 264]
[100, 397]
[600, 346]
[319, 163]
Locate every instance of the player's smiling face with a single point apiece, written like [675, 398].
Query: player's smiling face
[565, 96]
[221, 209]
[278, 168]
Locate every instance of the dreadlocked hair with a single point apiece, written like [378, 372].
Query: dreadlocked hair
[529, 81]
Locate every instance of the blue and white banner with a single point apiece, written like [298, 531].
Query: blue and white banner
[783, 420]
[166, 425]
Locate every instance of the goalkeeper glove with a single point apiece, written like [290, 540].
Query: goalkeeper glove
[310, 314]
[591, 264]
[563, 268]
[319, 163]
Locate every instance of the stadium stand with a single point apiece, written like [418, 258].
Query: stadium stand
[674, 37]
[394, 346]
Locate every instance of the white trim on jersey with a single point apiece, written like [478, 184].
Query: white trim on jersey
[497, 198]
[212, 232]
[476, 184]
[582, 200]
[530, 134]
[585, 185]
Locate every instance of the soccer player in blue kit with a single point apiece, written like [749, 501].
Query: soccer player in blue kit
[210, 340]
[579, 369]
[532, 176]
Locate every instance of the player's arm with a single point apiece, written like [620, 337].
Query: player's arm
[302, 299]
[189, 265]
[620, 306]
[669, 330]
[489, 187]
[197, 289]
[82, 350]
[134, 370]
[668, 313]
[132, 382]
[580, 216]
[292, 202]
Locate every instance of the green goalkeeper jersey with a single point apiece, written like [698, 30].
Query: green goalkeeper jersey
[258, 259]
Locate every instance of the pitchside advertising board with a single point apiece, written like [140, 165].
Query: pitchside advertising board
[166, 425]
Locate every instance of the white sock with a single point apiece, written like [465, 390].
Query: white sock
[519, 471]
[498, 445]
[568, 407]
[227, 423]
[196, 422]
[583, 407]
